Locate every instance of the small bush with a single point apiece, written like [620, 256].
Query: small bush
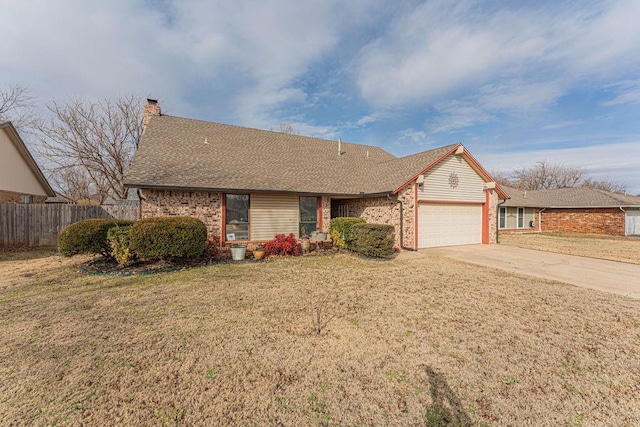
[283, 245]
[168, 237]
[88, 237]
[212, 249]
[375, 240]
[340, 231]
[120, 243]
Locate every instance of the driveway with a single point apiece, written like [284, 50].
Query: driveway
[607, 276]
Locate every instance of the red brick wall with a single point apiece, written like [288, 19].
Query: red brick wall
[206, 206]
[11, 197]
[590, 221]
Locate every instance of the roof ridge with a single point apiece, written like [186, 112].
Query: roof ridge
[275, 132]
[418, 154]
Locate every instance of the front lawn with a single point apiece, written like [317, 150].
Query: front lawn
[614, 248]
[412, 342]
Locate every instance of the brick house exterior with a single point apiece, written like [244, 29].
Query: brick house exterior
[193, 168]
[609, 221]
[573, 210]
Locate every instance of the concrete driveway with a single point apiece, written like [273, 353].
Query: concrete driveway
[607, 276]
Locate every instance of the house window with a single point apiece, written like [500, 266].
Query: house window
[520, 217]
[25, 198]
[503, 218]
[237, 216]
[308, 215]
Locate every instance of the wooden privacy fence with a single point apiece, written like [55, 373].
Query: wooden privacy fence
[39, 224]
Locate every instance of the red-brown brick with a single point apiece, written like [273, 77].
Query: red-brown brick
[589, 221]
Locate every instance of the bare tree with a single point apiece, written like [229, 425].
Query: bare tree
[17, 104]
[606, 185]
[544, 176]
[76, 184]
[94, 141]
[286, 128]
[501, 177]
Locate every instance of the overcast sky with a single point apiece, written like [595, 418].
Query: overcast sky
[514, 81]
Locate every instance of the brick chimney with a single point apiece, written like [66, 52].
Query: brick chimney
[151, 108]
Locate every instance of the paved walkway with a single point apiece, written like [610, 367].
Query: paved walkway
[607, 276]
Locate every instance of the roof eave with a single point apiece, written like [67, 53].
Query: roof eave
[24, 152]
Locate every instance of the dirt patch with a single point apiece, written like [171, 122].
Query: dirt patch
[624, 249]
[401, 343]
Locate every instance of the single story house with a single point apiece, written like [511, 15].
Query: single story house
[570, 210]
[248, 185]
[21, 180]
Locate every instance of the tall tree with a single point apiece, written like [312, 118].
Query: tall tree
[546, 176]
[93, 141]
[286, 128]
[18, 105]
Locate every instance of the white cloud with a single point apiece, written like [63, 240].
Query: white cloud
[442, 49]
[602, 161]
[564, 124]
[492, 100]
[627, 92]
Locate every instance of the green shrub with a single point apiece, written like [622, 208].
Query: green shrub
[375, 240]
[168, 237]
[87, 237]
[340, 230]
[120, 243]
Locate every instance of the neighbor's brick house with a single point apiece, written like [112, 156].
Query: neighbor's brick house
[570, 210]
[21, 180]
[247, 185]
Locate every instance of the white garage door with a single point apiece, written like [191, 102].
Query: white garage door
[632, 223]
[442, 224]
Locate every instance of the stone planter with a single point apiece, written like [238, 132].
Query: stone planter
[238, 252]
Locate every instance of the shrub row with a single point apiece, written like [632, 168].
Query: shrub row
[374, 240]
[168, 237]
[149, 239]
[340, 231]
[88, 237]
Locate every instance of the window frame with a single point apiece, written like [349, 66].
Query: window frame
[520, 218]
[317, 215]
[226, 217]
[502, 218]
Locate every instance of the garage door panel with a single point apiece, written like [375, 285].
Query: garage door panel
[632, 223]
[442, 224]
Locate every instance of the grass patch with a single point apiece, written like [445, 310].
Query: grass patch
[414, 342]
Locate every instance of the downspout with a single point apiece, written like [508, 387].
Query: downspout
[498, 220]
[624, 219]
[391, 199]
[540, 219]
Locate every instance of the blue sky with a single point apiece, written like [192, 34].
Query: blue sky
[515, 81]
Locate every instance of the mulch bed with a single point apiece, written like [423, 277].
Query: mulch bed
[109, 266]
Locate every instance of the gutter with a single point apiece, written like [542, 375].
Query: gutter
[391, 199]
[540, 219]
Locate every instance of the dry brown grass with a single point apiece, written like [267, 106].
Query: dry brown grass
[402, 343]
[624, 249]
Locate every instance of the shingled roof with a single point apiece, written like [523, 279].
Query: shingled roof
[579, 197]
[184, 153]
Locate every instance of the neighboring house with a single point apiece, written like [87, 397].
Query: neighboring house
[21, 180]
[570, 210]
[249, 185]
[59, 199]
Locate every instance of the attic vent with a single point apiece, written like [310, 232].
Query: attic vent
[367, 154]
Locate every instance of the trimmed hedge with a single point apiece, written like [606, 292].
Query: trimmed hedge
[88, 237]
[168, 237]
[340, 230]
[374, 240]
